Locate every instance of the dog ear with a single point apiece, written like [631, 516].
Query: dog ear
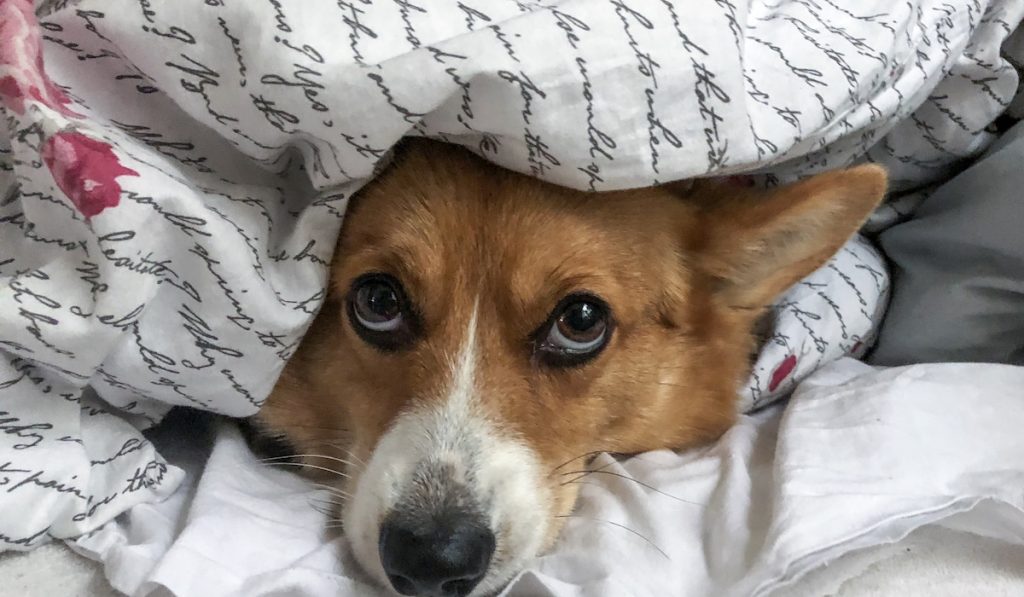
[758, 244]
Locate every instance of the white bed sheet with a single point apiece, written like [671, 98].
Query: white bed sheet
[860, 457]
[933, 561]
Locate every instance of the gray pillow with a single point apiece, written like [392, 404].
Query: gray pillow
[958, 268]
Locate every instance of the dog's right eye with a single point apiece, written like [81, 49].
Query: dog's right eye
[379, 311]
[579, 328]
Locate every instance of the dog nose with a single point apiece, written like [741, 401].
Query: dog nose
[447, 557]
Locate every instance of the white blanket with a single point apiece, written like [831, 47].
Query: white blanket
[859, 457]
[172, 183]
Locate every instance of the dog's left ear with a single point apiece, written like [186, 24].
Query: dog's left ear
[758, 244]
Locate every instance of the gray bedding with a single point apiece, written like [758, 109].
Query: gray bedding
[958, 268]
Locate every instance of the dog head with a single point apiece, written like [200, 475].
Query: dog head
[486, 332]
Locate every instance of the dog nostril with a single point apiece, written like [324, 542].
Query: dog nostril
[446, 556]
[402, 584]
[461, 587]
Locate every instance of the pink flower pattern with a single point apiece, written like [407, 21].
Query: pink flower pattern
[22, 76]
[86, 170]
[781, 372]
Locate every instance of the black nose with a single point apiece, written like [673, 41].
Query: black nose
[446, 557]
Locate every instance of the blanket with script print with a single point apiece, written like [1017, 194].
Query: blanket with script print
[173, 175]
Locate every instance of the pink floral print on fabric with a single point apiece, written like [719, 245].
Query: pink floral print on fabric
[781, 372]
[22, 76]
[86, 170]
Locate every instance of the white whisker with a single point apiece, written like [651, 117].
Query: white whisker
[310, 466]
[621, 526]
[277, 458]
[333, 490]
[582, 474]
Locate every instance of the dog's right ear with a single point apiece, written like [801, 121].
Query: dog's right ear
[756, 244]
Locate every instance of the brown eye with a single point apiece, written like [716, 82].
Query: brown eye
[379, 311]
[377, 306]
[580, 327]
[578, 330]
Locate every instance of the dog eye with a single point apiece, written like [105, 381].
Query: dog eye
[379, 311]
[578, 330]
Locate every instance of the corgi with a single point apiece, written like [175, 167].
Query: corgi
[485, 332]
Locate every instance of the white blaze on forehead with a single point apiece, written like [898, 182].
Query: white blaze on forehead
[458, 404]
[465, 370]
[502, 475]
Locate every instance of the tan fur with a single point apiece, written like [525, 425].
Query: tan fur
[686, 273]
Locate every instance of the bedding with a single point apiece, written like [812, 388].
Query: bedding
[934, 561]
[959, 268]
[174, 175]
[860, 457]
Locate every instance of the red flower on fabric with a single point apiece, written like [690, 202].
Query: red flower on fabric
[86, 170]
[22, 76]
[782, 372]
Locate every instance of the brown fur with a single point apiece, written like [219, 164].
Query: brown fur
[686, 274]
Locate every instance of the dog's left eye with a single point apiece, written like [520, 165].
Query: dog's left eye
[379, 311]
[578, 330]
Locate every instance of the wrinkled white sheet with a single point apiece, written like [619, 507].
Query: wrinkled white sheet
[173, 174]
[858, 457]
